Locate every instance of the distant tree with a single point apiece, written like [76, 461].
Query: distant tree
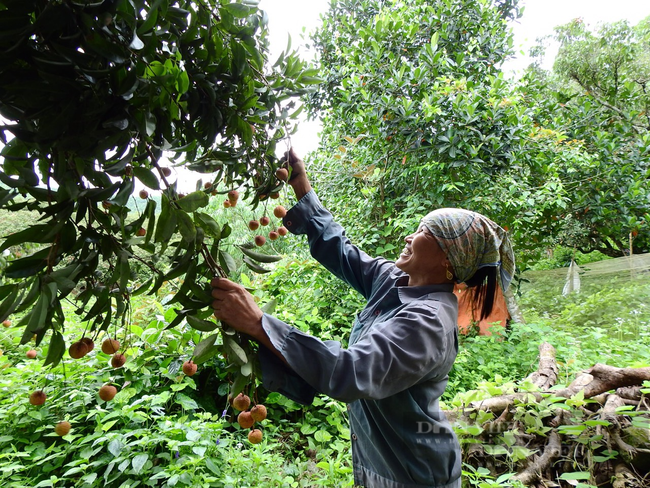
[598, 96]
[417, 114]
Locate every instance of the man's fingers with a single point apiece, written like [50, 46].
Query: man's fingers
[223, 284]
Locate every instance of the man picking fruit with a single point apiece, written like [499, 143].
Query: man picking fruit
[402, 345]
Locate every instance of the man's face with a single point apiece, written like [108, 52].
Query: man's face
[423, 259]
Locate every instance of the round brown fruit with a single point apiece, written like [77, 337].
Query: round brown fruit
[166, 171]
[282, 230]
[6, 323]
[89, 343]
[37, 398]
[107, 392]
[141, 232]
[255, 436]
[189, 368]
[265, 220]
[77, 350]
[241, 402]
[279, 211]
[118, 360]
[233, 196]
[62, 428]
[273, 235]
[110, 346]
[207, 185]
[245, 420]
[254, 225]
[258, 412]
[282, 174]
[144, 194]
[227, 204]
[275, 195]
[260, 240]
[31, 354]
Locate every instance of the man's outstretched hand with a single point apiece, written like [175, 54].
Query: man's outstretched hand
[298, 178]
[236, 307]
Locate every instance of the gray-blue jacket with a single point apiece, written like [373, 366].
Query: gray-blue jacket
[401, 349]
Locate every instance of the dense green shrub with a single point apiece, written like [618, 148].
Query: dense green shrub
[560, 257]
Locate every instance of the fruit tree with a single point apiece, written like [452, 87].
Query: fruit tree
[103, 101]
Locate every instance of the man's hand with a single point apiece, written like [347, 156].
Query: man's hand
[236, 307]
[298, 179]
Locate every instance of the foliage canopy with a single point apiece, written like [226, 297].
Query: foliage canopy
[418, 114]
[96, 96]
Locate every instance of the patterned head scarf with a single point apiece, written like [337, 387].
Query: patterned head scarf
[472, 241]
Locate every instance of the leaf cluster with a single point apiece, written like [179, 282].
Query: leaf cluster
[106, 97]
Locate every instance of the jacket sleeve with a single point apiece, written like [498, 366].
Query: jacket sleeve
[419, 343]
[329, 245]
[277, 376]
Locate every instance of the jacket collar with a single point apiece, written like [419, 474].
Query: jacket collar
[409, 293]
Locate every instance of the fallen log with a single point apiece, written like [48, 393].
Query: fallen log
[605, 378]
[533, 472]
[546, 375]
[629, 392]
[625, 478]
[609, 410]
[593, 382]
[549, 426]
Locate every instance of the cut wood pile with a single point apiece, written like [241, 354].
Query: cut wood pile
[593, 432]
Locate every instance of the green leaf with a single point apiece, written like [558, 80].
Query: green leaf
[139, 461]
[167, 223]
[186, 226]
[253, 266]
[124, 193]
[227, 262]
[239, 383]
[9, 304]
[55, 350]
[269, 306]
[193, 201]
[186, 402]
[202, 325]
[147, 177]
[205, 349]
[237, 10]
[33, 233]
[124, 270]
[246, 369]
[238, 354]
[322, 436]
[208, 224]
[259, 257]
[212, 466]
[577, 475]
[239, 58]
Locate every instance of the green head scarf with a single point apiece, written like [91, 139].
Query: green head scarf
[472, 241]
